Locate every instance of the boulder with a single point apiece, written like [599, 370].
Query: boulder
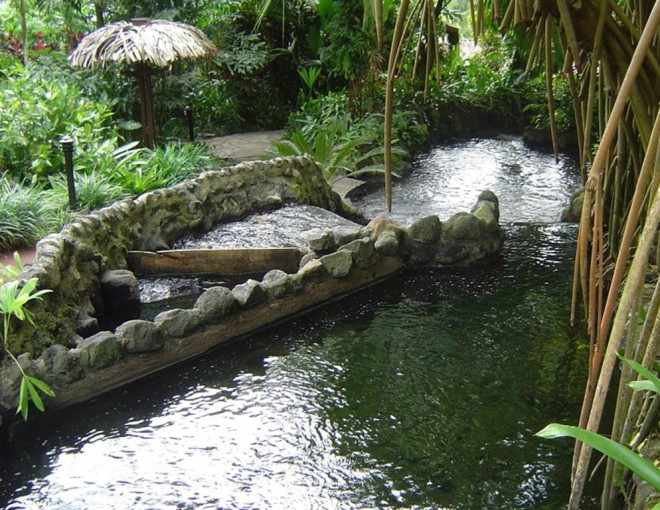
[387, 244]
[140, 336]
[249, 294]
[100, 350]
[62, 365]
[277, 283]
[320, 240]
[338, 264]
[176, 323]
[214, 303]
[362, 250]
[421, 238]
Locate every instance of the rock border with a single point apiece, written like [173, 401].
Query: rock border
[339, 261]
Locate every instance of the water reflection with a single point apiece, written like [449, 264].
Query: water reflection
[530, 185]
[422, 392]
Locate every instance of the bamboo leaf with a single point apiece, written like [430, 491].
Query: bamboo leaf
[34, 395]
[636, 463]
[41, 385]
[23, 400]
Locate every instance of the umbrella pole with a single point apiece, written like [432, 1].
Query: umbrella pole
[146, 106]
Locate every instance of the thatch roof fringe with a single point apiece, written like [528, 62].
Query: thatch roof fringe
[155, 43]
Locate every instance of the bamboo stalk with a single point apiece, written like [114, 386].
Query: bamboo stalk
[579, 120]
[524, 15]
[496, 11]
[617, 199]
[630, 293]
[411, 21]
[623, 399]
[378, 18]
[473, 18]
[533, 53]
[606, 142]
[517, 14]
[567, 22]
[634, 33]
[508, 16]
[429, 42]
[418, 46]
[549, 86]
[650, 330]
[389, 95]
[595, 58]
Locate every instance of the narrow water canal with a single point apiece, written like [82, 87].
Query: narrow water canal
[420, 392]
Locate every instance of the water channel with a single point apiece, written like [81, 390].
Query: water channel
[423, 391]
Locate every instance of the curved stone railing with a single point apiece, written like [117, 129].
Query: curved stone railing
[73, 263]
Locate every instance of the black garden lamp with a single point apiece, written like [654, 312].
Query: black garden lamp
[66, 143]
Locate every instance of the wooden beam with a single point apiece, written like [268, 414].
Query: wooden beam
[224, 262]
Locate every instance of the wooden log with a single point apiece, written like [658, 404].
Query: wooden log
[222, 262]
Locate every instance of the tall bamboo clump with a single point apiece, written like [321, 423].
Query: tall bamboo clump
[610, 53]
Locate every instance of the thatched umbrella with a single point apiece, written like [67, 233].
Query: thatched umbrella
[146, 45]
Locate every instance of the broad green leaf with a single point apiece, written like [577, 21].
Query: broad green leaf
[636, 463]
[643, 371]
[642, 385]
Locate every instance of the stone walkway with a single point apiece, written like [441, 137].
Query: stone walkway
[253, 146]
[244, 146]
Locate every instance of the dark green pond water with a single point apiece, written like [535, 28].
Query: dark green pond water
[420, 392]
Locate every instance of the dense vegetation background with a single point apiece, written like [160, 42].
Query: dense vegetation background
[325, 72]
[317, 70]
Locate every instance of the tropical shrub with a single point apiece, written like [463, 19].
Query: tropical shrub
[215, 110]
[175, 163]
[137, 171]
[537, 106]
[12, 305]
[93, 191]
[26, 215]
[35, 114]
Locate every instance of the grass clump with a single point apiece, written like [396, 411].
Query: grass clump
[26, 215]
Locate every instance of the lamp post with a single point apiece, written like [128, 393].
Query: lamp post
[66, 142]
[187, 111]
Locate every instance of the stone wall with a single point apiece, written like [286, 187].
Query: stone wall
[72, 262]
[67, 348]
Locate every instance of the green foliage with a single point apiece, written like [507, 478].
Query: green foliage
[215, 110]
[636, 463]
[322, 111]
[337, 158]
[140, 170]
[25, 215]
[325, 129]
[651, 383]
[309, 75]
[93, 190]
[34, 114]
[9, 271]
[346, 53]
[620, 453]
[537, 106]
[175, 163]
[334, 160]
[13, 303]
[241, 53]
